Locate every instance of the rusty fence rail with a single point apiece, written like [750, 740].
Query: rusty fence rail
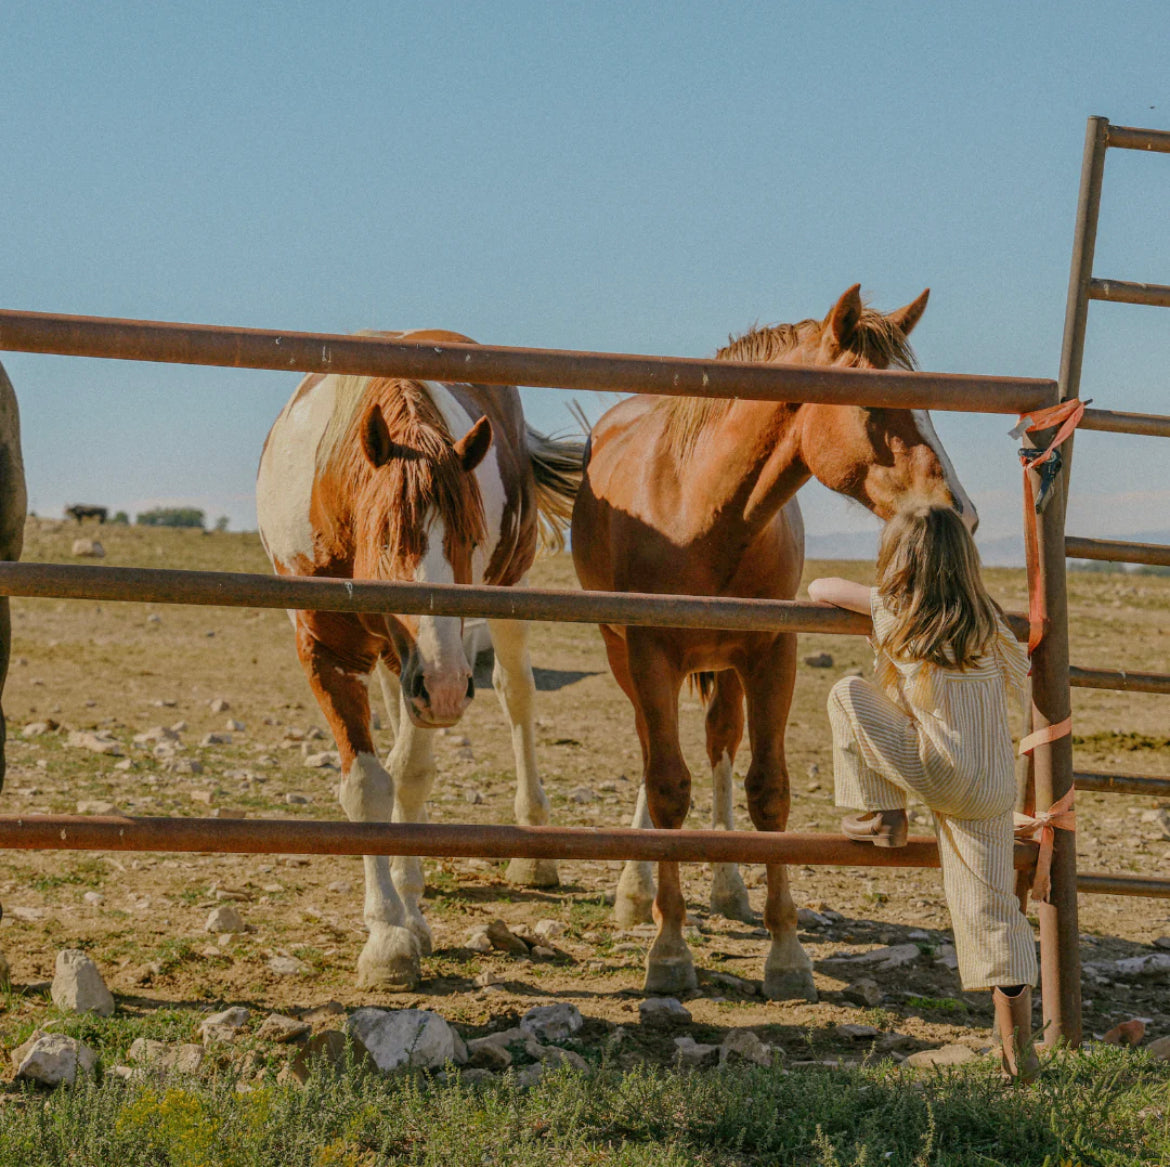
[306, 352]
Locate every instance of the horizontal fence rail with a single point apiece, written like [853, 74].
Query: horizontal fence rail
[201, 344]
[1133, 138]
[243, 590]
[1128, 292]
[1119, 679]
[1150, 425]
[1122, 885]
[1098, 783]
[1117, 551]
[296, 837]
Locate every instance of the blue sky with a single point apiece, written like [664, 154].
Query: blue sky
[627, 177]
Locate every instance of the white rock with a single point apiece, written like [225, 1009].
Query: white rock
[581, 794]
[552, 1022]
[554, 1055]
[946, 1055]
[216, 739]
[78, 986]
[894, 956]
[692, 1053]
[323, 760]
[156, 733]
[744, 1045]
[218, 705]
[281, 1028]
[234, 1018]
[550, 929]
[664, 1012]
[287, 966]
[225, 918]
[478, 941]
[94, 898]
[406, 1037]
[483, 1053]
[96, 743]
[36, 729]
[472, 796]
[234, 726]
[96, 807]
[88, 549]
[54, 1060]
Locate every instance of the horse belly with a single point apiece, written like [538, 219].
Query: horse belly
[288, 470]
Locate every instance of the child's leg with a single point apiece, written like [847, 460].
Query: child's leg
[875, 747]
[993, 939]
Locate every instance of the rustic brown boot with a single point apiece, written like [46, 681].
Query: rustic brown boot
[1013, 1019]
[882, 828]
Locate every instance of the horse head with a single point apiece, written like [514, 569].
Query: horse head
[883, 458]
[419, 518]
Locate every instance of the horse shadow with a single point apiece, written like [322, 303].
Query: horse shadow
[547, 680]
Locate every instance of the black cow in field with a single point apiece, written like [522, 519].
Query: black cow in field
[80, 512]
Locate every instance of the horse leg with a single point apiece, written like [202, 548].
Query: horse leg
[391, 695]
[390, 958]
[512, 680]
[634, 899]
[787, 970]
[729, 897]
[669, 967]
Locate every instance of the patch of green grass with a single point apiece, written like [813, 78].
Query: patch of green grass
[85, 872]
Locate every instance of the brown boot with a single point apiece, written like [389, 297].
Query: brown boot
[1013, 1019]
[882, 828]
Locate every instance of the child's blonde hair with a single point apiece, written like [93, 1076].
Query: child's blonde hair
[928, 573]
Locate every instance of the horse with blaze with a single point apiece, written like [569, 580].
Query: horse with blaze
[393, 479]
[698, 496]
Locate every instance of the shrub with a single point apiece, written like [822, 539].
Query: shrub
[171, 517]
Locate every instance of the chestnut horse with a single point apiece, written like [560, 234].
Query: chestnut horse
[697, 496]
[389, 479]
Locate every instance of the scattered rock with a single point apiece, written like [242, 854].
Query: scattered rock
[1153, 966]
[819, 660]
[280, 1028]
[218, 705]
[38, 728]
[730, 981]
[78, 986]
[485, 1054]
[287, 966]
[53, 1059]
[225, 1025]
[548, 930]
[225, 918]
[406, 1037]
[94, 898]
[323, 760]
[884, 959]
[341, 887]
[530, 1075]
[543, 952]
[946, 1055]
[330, 1050]
[88, 549]
[96, 807]
[488, 978]
[216, 739]
[1159, 1049]
[865, 992]
[234, 726]
[503, 938]
[693, 1054]
[477, 941]
[742, 1045]
[807, 918]
[581, 794]
[292, 798]
[1128, 1032]
[97, 743]
[1162, 942]
[552, 1022]
[184, 1058]
[472, 796]
[663, 1012]
[857, 1032]
[554, 1055]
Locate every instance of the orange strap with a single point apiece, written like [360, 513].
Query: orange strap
[1042, 827]
[1042, 736]
[1067, 416]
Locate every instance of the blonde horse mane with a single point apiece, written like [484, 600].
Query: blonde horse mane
[876, 341]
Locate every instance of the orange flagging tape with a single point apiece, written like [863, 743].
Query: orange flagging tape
[1041, 828]
[1041, 737]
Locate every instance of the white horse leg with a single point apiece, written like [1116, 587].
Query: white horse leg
[512, 679]
[634, 900]
[412, 767]
[729, 896]
[391, 695]
[390, 958]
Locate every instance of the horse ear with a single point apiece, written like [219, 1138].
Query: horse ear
[846, 316]
[473, 446]
[905, 318]
[377, 444]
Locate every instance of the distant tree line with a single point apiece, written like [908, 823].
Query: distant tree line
[171, 517]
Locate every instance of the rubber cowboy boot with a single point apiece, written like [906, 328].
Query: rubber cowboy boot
[1013, 1019]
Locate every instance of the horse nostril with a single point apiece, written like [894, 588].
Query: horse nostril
[418, 687]
[470, 688]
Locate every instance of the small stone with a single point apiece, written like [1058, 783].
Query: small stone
[857, 1032]
[218, 705]
[581, 794]
[819, 660]
[730, 981]
[216, 739]
[88, 549]
[203, 796]
[234, 1018]
[96, 807]
[543, 952]
[280, 1028]
[891, 957]
[947, 1055]
[530, 1075]
[742, 1045]
[1159, 1049]
[94, 898]
[503, 938]
[323, 760]
[78, 986]
[225, 918]
[287, 966]
[1128, 1032]
[341, 887]
[478, 941]
[38, 728]
[405, 1037]
[54, 1060]
[663, 1012]
[550, 929]
[234, 726]
[552, 1022]
[472, 796]
[1162, 942]
[488, 978]
[554, 1055]
[292, 798]
[807, 918]
[186, 766]
[865, 992]
[96, 743]
[486, 1054]
[693, 1054]
[330, 1051]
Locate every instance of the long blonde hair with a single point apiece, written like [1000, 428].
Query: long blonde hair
[928, 573]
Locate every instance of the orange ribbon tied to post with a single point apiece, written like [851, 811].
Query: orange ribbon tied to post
[1041, 828]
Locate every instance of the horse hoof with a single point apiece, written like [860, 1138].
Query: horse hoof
[790, 984]
[421, 932]
[389, 960]
[533, 872]
[669, 976]
[731, 902]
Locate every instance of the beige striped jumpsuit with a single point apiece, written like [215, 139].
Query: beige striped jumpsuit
[943, 735]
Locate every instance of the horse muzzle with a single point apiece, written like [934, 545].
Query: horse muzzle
[437, 700]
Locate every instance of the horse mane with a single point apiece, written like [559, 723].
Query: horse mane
[876, 341]
[425, 476]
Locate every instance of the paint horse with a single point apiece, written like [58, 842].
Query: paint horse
[13, 511]
[389, 479]
[697, 496]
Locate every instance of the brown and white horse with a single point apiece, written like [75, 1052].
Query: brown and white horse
[13, 511]
[388, 479]
[697, 496]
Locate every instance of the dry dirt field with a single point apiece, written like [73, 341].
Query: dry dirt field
[126, 668]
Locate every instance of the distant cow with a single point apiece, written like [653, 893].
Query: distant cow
[80, 512]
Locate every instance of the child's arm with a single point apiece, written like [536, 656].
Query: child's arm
[844, 593]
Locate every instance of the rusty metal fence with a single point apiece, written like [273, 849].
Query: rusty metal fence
[192, 344]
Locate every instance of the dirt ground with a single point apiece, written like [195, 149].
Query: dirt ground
[128, 667]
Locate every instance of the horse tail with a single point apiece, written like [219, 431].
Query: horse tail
[704, 684]
[557, 466]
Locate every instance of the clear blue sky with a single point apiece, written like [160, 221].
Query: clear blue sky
[630, 177]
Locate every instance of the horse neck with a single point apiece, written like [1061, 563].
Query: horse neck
[750, 464]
